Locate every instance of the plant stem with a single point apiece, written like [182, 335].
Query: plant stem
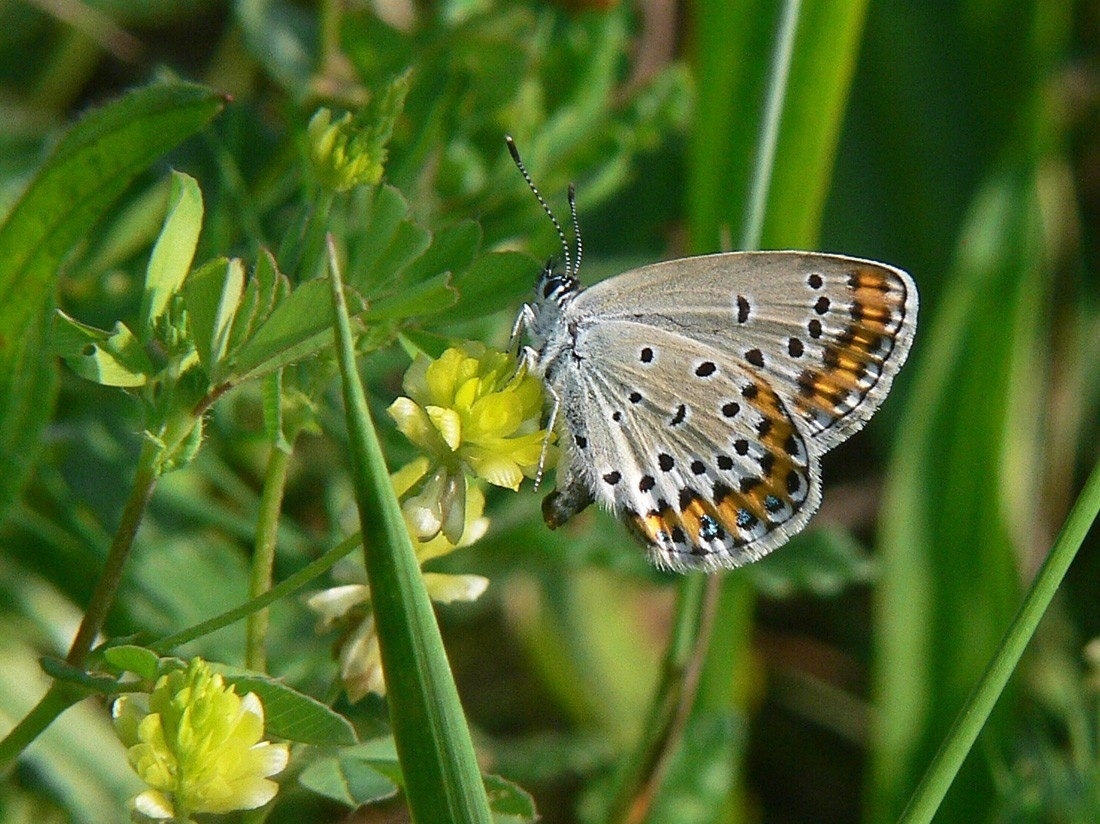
[263, 557]
[311, 261]
[56, 700]
[674, 697]
[972, 717]
[103, 596]
[59, 698]
[288, 586]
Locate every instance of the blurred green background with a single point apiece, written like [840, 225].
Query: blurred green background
[958, 140]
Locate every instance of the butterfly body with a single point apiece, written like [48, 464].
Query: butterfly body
[695, 397]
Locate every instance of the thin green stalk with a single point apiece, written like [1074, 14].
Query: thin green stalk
[769, 127]
[970, 720]
[263, 556]
[57, 699]
[288, 586]
[103, 596]
[674, 697]
[440, 771]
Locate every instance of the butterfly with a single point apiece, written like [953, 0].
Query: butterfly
[694, 398]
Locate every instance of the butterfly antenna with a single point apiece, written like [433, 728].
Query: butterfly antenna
[576, 225]
[545, 206]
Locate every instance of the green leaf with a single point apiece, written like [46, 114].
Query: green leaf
[174, 250]
[510, 803]
[212, 295]
[290, 714]
[700, 779]
[135, 659]
[350, 777]
[300, 326]
[407, 244]
[264, 290]
[435, 295]
[452, 250]
[114, 358]
[389, 242]
[246, 317]
[61, 670]
[91, 166]
[495, 281]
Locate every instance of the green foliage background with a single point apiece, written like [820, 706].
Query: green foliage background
[960, 141]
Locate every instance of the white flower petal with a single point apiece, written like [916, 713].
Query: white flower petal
[153, 804]
[253, 793]
[333, 603]
[446, 589]
[269, 759]
[361, 663]
[250, 703]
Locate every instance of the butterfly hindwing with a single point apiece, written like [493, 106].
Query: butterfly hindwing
[699, 456]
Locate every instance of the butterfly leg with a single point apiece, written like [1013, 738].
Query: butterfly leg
[549, 428]
[523, 321]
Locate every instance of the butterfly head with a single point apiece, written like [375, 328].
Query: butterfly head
[554, 286]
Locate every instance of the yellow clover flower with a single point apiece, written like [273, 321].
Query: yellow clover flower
[359, 654]
[198, 745]
[470, 411]
[351, 150]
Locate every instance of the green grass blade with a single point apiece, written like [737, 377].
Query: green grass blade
[760, 187]
[441, 775]
[822, 64]
[933, 787]
[726, 149]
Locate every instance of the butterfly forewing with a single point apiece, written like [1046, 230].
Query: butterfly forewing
[827, 332]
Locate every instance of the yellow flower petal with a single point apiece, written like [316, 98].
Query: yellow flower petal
[494, 416]
[200, 747]
[493, 467]
[415, 424]
[415, 382]
[442, 376]
[448, 424]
